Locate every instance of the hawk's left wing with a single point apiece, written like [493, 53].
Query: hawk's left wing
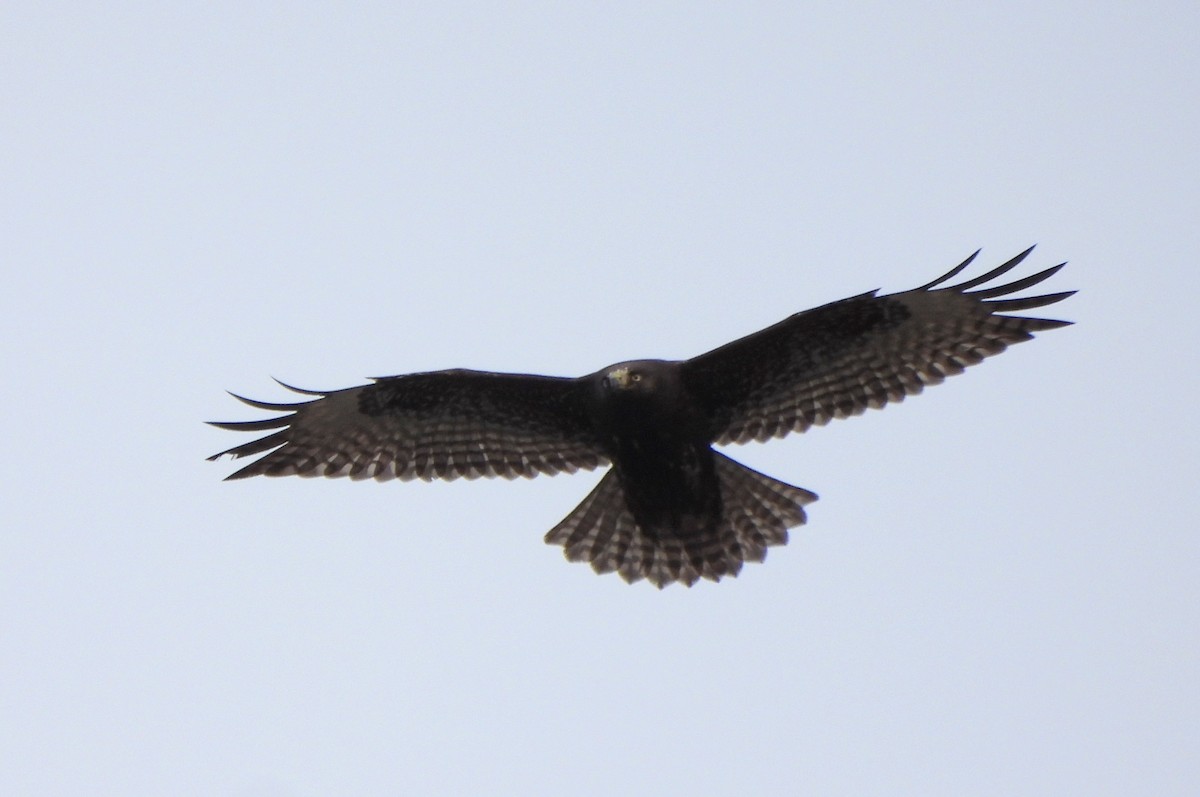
[837, 360]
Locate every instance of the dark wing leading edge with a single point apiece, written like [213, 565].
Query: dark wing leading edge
[437, 425]
[837, 360]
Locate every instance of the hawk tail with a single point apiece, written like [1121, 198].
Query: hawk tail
[757, 512]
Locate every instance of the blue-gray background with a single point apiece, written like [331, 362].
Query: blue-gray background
[996, 594]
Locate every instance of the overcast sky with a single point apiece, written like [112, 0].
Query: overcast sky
[997, 593]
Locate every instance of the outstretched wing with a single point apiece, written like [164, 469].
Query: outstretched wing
[837, 360]
[437, 425]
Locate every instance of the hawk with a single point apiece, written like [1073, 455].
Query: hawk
[670, 508]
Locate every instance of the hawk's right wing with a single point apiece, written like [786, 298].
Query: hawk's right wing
[436, 425]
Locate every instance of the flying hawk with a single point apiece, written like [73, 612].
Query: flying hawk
[670, 508]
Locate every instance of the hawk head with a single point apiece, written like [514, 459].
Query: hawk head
[623, 377]
[640, 377]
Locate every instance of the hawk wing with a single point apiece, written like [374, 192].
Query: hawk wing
[837, 360]
[436, 425]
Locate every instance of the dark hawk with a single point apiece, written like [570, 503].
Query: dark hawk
[670, 508]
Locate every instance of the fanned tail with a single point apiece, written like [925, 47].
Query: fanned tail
[757, 513]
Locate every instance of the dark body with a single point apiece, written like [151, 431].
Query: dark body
[671, 508]
[660, 444]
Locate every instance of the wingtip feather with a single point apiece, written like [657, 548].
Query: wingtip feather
[265, 405]
[301, 390]
[952, 272]
[1027, 303]
[1003, 268]
[1018, 285]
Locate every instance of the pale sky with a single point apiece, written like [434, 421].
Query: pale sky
[997, 593]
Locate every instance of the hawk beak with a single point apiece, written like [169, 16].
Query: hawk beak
[618, 377]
